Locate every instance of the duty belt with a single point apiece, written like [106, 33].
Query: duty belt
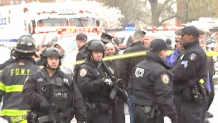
[147, 109]
[55, 118]
[151, 111]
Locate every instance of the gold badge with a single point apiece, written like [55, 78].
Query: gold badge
[83, 72]
[165, 79]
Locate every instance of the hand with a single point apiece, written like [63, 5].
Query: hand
[108, 81]
[44, 105]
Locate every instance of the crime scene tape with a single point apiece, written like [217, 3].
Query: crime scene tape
[129, 55]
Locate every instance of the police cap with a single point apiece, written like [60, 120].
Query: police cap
[192, 30]
[157, 45]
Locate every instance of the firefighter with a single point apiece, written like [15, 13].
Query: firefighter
[52, 94]
[14, 109]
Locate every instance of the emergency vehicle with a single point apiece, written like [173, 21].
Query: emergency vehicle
[46, 21]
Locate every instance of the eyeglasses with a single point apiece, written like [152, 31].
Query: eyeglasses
[178, 40]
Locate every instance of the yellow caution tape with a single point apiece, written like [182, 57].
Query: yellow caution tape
[130, 55]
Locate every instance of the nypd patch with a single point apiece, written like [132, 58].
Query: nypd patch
[139, 72]
[165, 79]
[83, 72]
[192, 56]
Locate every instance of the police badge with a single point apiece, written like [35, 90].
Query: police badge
[165, 79]
[83, 72]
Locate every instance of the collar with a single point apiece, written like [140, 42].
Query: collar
[82, 47]
[137, 43]
[26, 60]
[191, 44]
[156, 58]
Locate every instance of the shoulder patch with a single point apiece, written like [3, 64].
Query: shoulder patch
[192, 56]
[83, 72]
[165, 79]
[139, 72]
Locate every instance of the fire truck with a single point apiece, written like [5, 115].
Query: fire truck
[46, 22]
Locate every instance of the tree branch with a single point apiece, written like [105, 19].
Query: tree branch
[164, 9]
[166, 19]
[143, 21]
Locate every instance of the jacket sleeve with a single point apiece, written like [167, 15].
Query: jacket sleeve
[30, 96]
[80, 111]
[2, 84]
[172, 58]
[163, 89]
[86, 82]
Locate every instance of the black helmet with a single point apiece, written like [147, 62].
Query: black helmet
[50, 51]
[94, 45]
[25, 44]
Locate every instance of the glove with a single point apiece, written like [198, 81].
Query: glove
[44, 105]
[108, 81]
[2, 120]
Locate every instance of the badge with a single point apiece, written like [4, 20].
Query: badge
[192, 56]
[185, 63]
[83, 72]
[139, 72]
[165, 79]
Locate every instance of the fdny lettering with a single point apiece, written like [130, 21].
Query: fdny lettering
[20, 72]
[60, 95]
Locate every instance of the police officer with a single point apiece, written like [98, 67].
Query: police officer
[12, 80]
[51, 94]
[95, 84]
[152, 86]
[190, 73]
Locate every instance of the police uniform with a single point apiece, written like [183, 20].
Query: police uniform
[190, 72]
[14, 108]
[94, 91]
[152, 86]
[67, 98]
[91, 79]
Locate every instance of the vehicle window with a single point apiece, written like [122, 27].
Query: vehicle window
[82, 22]
[53, 22]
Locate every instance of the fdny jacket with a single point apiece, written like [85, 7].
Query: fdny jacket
[68, 103]
[11, 86]
[152, 84]
[190, 68]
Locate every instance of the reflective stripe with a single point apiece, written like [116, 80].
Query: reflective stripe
[2, 86]
[14, 88]
[13, 112]
[11, 88]
[24, 121]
